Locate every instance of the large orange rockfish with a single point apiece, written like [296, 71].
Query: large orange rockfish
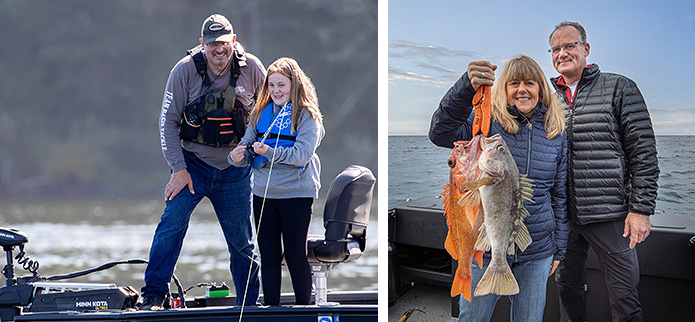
[464, 221]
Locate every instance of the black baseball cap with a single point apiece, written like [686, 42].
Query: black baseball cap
[217, 28]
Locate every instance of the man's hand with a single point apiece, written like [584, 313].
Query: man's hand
[238, 153]
[637, 227]
[177, 182]
[553, 266]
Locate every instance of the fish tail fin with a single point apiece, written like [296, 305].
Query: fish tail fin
[461, 285]
[497, 279]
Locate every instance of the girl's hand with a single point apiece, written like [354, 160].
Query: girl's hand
[260, 148]
[238, 153]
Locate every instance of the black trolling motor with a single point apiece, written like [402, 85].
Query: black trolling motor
[36, 293]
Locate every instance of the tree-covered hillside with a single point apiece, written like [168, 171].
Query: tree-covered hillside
[81, 85]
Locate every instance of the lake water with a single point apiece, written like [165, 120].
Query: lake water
[68, 236]
[417, 168]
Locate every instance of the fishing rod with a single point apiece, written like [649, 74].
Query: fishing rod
[407, 314]
[281, 113]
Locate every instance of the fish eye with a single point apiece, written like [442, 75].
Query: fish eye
[500, 149]
[450, 162]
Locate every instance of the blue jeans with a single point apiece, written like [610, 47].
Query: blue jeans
[229, 191]
[527, 305]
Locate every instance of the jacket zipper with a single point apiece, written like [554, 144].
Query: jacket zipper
[528, 154]
[570, 173]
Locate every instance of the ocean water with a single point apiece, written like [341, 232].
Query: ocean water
[417, 168]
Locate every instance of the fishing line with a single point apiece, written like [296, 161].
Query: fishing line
[265, 194]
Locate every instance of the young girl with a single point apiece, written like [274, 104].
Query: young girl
[284, 130]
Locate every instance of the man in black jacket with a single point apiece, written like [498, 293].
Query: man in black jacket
[612, 179]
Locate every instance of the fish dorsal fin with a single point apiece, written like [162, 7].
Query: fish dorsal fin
[526, 188]
[474, 185]
[482, 242]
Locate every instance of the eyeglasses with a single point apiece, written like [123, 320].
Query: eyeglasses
[567, 47]
[216, 44]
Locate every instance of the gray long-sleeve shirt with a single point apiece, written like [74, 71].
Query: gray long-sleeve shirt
[287, 180]
[183, 87]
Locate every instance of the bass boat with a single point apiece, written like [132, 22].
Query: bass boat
[346, 215]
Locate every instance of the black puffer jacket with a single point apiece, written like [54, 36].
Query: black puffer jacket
[612, 165]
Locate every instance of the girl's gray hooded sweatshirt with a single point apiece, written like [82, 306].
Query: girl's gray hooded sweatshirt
[288, 180]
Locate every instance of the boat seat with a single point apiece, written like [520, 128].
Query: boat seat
[345, 219]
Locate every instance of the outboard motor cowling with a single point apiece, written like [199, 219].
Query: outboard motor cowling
[10, 238]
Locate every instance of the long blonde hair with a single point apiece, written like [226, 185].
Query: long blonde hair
[302, 96]
[524, 68]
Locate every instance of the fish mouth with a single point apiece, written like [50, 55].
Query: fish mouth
[488, 171]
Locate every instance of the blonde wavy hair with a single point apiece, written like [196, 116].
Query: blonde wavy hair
[524, 68]
[302, 96]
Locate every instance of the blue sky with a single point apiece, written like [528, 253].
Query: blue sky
[431, 43]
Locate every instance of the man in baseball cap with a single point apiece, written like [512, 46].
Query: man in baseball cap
[217, 28]
[217, 39]
[197, 158]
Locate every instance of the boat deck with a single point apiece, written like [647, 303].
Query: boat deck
[345, 313]
[420, 270]
[432, 299]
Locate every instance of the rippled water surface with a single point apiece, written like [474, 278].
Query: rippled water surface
[67, 236]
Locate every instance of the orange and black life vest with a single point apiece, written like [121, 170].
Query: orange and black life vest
[216, 118]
